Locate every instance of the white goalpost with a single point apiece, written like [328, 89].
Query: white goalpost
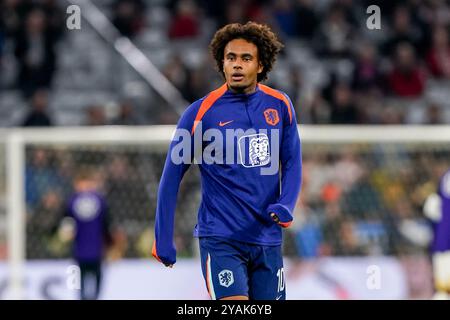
[157, 138]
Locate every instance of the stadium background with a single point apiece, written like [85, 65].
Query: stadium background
[359, 200]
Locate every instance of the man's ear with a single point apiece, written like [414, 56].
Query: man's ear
[260, 68]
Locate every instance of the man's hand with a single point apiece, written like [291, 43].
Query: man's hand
[276, 219]
[166, 259]
[279, 214]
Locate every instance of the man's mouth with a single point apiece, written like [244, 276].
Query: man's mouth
[237, 76]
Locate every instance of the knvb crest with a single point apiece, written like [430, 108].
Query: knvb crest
[258, 150]
[226, 278]
[271, 116]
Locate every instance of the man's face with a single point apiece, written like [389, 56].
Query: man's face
[241, 65]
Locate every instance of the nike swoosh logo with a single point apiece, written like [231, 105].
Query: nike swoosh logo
[225, 123]
[278, 298]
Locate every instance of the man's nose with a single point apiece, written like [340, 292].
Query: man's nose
[237, 64]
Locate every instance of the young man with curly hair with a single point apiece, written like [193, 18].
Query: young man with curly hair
[244, 204]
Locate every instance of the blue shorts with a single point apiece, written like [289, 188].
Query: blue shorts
[233, 268]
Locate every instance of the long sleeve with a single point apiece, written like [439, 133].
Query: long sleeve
[178, 160]
[291, 170]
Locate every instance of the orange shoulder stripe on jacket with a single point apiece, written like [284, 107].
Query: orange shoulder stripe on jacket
[278, 95]
[207, 103]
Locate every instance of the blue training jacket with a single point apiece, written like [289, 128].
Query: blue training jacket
[237, 197]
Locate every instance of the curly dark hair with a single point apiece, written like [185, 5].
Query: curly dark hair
[259, 34]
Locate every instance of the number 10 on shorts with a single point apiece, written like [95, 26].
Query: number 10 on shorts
[280, 275]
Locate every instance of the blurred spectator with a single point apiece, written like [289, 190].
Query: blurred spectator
[35, 53]
[348, 169]
[362, 201]
[438, 57]
[391, 115]
[42, 222]
[306, 19]
[12, 14]
[349, 7]
[347, 243]
[402, 31]
[434, 115]
[343, 109]
[129, 17]
[334, 37]
[196, 85]
[330, 226]
[38, 116]
[366, 74]
[95, 116]
[176, 72]
[55, 18]
[236, 12]
[406, 79]
[123, 186]
[315, 110]
[40, 177]
[307, 229]
[126, 115]
[285, 16]
[185, 22]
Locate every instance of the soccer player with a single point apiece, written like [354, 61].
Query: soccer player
[88, 210]
[437, 209]
[243, 207]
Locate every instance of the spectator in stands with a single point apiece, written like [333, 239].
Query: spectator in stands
[406, 79]
[306, 18]
[362, 200]
[40, 176]
[391, 115]
[434, 114]
[35, 52]
[285, 17]
[315, 110]
[343, 108]
[42, 223]
[197, 85]
[129, 17]
[176, 72]
[438, 56]
[126, 115]
[366, 74]
[402, 31]
[335, 37]
[330, 226]
[95, 116]
[347, 242]
[12, 13]
[185, 22]
[235, 12]
[307, 229]
[55, 17]
[38, 116]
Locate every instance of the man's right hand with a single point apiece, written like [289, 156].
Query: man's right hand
[163, 258]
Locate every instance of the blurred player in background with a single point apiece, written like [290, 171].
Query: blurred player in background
[437, 209]
[243, 210]
[87, 213]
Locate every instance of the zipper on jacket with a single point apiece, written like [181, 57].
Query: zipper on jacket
[246, 110]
